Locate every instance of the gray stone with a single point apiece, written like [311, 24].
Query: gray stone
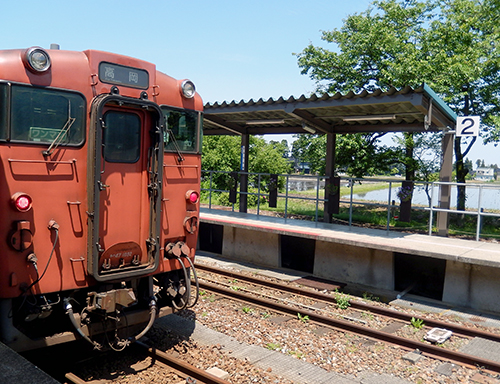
[445, 369]
[412, 357]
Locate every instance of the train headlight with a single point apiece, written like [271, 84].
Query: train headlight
[22, 201]
[192, 196]
[36, 59]
[188, 89]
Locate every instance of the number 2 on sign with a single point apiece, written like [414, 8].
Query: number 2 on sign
[468, 125]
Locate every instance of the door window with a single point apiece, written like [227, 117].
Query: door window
[122, 137]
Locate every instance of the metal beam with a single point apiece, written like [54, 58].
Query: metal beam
[312, 120]
[366, 128]
[221, 123]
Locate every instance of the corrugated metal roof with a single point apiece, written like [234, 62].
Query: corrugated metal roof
[406, 109]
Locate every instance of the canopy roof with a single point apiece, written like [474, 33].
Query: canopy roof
[408, 109]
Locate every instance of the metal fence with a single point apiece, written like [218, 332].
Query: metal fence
[295, 187]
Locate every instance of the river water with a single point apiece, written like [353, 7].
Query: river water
[490, 197]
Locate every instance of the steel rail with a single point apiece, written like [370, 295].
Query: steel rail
[455, 328]
[181, 366]
[74, 378]
[173, 363]
[343, 325]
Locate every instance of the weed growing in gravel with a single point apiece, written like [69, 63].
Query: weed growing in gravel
[302, 318]
[342, 300]
[203, 292]
[265, 315]
[417, 323]
[273, 346]
[247, 310]
[369, 296]
[367, 315]
[299, 355]
[211, 298]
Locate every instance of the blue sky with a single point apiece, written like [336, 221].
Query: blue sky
[231, 50]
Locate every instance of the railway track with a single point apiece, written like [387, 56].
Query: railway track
[188, 373]
[362, 306]
[349, 326]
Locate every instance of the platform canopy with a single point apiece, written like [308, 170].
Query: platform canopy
[405, 110]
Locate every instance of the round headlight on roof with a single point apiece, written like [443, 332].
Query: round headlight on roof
[36, 59]
[188, 89]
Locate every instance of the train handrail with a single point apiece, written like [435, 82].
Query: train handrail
[71, 162]
[181, 165]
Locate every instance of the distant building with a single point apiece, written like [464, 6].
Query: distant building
[304, 168]
[485, 174]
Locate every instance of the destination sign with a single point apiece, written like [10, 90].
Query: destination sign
[122, 75]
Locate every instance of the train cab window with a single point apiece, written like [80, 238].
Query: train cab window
[45, 115]
[181, 130]
[122, 137]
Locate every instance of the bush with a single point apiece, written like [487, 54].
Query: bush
[252, 200]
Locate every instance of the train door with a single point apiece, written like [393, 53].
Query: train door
[126, 192]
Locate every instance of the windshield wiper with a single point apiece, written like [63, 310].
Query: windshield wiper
[176, 146]
[62, 133]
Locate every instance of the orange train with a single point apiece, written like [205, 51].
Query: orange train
[100, 158]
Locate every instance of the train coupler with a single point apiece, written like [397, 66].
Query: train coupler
[108, 301]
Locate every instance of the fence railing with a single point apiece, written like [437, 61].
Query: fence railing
[310, 189]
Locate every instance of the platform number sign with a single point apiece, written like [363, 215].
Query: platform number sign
[468, 126]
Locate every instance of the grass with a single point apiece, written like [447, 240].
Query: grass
[273, 346]
[303, 318]
[417, 323]
[342, 300]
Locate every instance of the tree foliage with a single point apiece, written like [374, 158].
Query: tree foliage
[358, 155]
[452, 45]
[222, 153]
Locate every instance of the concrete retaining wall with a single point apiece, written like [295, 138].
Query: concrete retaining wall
[476, 285]
[257, 247]
[351, 264]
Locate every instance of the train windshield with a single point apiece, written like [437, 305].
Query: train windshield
[41, 115]
[182, 130]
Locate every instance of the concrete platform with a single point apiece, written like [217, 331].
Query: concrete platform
[466, 273]
[16, 369]
[465, 251]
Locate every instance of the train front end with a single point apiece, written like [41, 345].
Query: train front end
[99, 193]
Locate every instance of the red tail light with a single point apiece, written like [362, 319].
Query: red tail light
[192, 196]
[22, 201]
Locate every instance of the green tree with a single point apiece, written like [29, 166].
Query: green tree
[268, 157]
[425, 158]
[222, 153]
[452, 45]
[358, 154]
[281, 146]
